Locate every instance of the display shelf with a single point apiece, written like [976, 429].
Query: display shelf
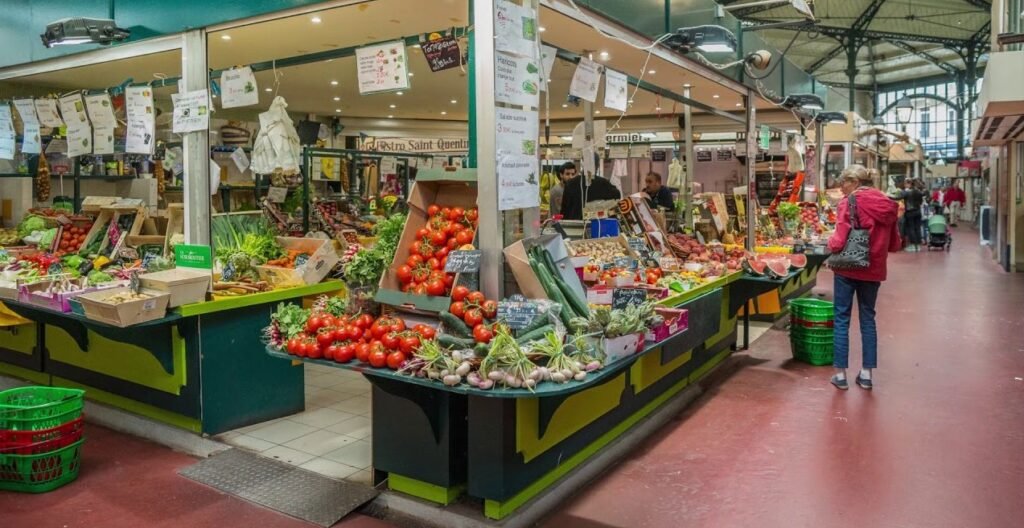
[229, 303]
[16, 175]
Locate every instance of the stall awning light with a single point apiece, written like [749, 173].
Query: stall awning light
[709, 39]
[716, 48]
[69, 31]
[831, 117]
[803, 102]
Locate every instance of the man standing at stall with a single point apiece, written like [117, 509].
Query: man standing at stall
[584, 189]
[566, 172]
[657, 194]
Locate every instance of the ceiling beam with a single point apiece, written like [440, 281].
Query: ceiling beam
[824, 60]
[984, 4]
[743, 12]
[944, 66]
[840, 32]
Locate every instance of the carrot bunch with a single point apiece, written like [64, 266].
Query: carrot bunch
[287, 261]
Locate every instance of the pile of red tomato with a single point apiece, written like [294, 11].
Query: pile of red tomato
[447, 229]
[381, 342]
[475, 310]
[71, 239]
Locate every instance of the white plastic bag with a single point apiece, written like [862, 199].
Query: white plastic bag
[277, 144]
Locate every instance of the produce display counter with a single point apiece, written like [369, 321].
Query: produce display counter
[507, 446]
[771, 305]
[193, 368]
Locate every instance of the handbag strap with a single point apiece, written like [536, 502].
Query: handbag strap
[854, 220]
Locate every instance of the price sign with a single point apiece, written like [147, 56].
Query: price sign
[277, 194]
[517, 312]
[637, 244]
[301, 260]
[463, 261]
[623, 262]
[670, 263]
[623, 297]
[441, 54]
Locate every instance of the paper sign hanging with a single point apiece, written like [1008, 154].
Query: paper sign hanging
[140, 138]
[518, 185]
[238, 88]
[27, 110]
[442, 54]
[547, 62]
[382, 68]
[103, 139]
[76, 122]
[616, 88]
[516, 132]
[30, 142]
[388, 165]
[47, 110]
[191, 111]
[101, 111]
[72, 107]
[241, 159]
[584, 81]
[516, 80]
[7, 135]
[515, 29]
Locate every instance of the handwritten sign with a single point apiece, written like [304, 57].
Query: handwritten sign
[442, 54]
[623, 262]
[623, 297]
[703, 156]
[670, 263]
[277, 194]
[638, 245]
[382, 67]
[517, 312]
[463, 261]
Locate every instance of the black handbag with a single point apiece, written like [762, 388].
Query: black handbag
[856, 253]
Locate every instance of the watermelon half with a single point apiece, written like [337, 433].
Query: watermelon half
[754, 267]
[798, 261]
[778, 269]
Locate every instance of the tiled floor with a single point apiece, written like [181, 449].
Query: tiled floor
[331, 437]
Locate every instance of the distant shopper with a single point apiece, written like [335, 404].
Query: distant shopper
[584, 189]
[657, 194]
[954, 198]
[876, 213]
[565, 173]
[913, 197]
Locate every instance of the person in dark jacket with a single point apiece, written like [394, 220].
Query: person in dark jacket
[584, 189]
[876, 213]
[657, 194]
[913, 198]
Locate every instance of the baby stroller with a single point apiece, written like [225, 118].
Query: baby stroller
[938, 231]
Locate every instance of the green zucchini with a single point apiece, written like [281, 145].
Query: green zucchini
[454, 326]
[450, 341]
[578, 305]
[535, 335]
[539, 321]
[544, 276]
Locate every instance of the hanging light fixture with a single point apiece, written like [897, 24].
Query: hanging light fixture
[904, 111]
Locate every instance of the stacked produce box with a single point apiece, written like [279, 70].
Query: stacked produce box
[41, 437]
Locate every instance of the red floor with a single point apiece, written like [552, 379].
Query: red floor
[131, 483]
[939, 443]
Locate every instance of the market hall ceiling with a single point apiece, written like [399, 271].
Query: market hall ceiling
[902, 39]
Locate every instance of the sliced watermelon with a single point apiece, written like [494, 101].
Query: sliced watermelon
[798, 261]
[754, 267]
[778, 269]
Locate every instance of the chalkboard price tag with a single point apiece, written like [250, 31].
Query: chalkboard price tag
[623, 262]
[517, 312]
[463, 261]
[638, 245]
[441, 54]
[301, 260]
[623, 297]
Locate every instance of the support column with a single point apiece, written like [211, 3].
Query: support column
[961, 110]
[196, 144]
[822, 162]
[751, 207]
[489, 231]
[852, 46]
[686, 190]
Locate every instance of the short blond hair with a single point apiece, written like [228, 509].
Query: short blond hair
[857, 173]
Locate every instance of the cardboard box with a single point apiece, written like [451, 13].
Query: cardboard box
[617, 348]
[529, 285]
[599, 295]
[127, 313]
[449, 188]
[93, 204]
[36, 295]
[676, 321]
[322, 258]
[106, 217]
[186, 285]
[175, 225]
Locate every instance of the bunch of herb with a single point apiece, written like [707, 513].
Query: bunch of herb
[242, 241]
[367, 266]
[287, 322]
[788, 211]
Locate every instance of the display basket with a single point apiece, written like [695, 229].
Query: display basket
[40, 473]
[812, 310]
[815, 332]
[39, 408]
[42, 441]
[796, 321]
[812, 353]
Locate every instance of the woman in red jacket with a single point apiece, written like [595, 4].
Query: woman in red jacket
[878, 214]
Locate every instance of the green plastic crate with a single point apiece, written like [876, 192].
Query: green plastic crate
[815, 354]
[801, 332]
[40, 473]
[37, 408]
[810, 309]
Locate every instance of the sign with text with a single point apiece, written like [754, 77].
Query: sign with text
[623, 297]
[637, 244]
[518, 183]
[517, 312]
[516, 131]
[414, 145]
[516, 80]
[191, 111]
[238, 88]
[515, 28]
[585, 80]
[623, 262]
[442, 54]
[463, 261]
[193, 256]
[382, 68]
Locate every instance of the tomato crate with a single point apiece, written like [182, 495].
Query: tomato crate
[40, 473]
[42, 441]
[39, 408]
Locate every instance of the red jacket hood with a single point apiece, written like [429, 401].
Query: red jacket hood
[875, 208]
[878, 214]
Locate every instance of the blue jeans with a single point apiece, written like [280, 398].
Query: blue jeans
[867, 294]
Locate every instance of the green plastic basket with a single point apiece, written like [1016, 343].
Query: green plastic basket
[40, 473]
[37, 408]
[815, 354]
[801, 332]
[813, 310]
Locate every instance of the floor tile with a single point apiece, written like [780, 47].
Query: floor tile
[356, 454]
[326, 398]
[363, 477]
[321, 418]
[287, 455]
[321, 381]
[250, 428]
[250, 443]
[282, 431]
[321, 442]
[357, 427]
[330, 468]
[355, 405]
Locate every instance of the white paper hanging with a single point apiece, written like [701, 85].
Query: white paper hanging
[46, 109]
[72, 107]
[31, 143]
[516, 80]
[238, 88]
[515, 29]
[517, 131]
[388, 166]
[79, 136]
[191, 111]
[7, 135]
[103, 138]
[240, 158]
[214, 177]
[518, 183]
[26, 110]
[382, 67]
[547, 63]
[141, 117]
[585, 80]
[616, 88]
[100, 109]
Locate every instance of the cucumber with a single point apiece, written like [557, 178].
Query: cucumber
[544, 276]
[535, 335]
[481, 350]
[454, 326]
[539, 321]
[578, 305]
[450, 341]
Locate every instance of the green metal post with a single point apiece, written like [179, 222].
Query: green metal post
[77, 198]
[471, 161]
[305, 191]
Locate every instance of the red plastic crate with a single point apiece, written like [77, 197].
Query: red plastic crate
[43, 441]
[811, 324]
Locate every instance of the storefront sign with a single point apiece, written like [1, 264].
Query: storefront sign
[463, 261]
[442, 54]
[7, 135]
[516, 80]
[414, 145]
[615, 90]
[585, 80]
[47, 110]
[193, 256]
[382, 68]
[516, 131]
[191, 111]
[238, 88]
[515, 29]
[703, 155]
[141, 120]
[518, 184]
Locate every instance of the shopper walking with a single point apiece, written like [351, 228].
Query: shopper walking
[565, 173]
[953, 200]
[913, 198]
[876, 213]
